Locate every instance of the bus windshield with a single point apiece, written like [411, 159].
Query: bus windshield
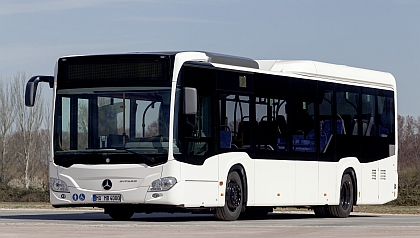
[130, 120]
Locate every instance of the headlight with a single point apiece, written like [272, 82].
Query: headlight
[162, 184]
[58, 185]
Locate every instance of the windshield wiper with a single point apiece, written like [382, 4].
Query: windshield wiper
[143, 156]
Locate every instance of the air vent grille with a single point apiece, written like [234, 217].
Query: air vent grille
[373, 174]
[382, 174]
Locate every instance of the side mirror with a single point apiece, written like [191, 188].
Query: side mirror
[32, 85]
[190, 101]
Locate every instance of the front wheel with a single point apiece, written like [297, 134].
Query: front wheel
[233, 199]
[346, 198]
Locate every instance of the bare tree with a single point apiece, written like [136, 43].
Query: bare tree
[46, 138]
[28, 122]
[408, 154]
[408, 142]
[40, 162]
[6, 122]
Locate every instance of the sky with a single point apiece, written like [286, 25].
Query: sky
[381, 35]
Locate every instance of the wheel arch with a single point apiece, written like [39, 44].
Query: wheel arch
[239, 168]
[352, 173]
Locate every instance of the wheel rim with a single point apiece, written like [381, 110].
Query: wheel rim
[345, 198]
[233, 195]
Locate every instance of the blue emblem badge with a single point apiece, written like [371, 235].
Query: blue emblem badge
[82, 197]
[75, 197]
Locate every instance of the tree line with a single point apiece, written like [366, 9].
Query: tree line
[24, 135]
[25, 140]
[408, 160]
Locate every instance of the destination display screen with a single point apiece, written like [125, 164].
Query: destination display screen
[112, 70]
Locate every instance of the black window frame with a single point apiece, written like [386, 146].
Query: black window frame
[265, 87]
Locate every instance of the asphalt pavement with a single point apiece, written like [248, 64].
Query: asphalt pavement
[93, 223]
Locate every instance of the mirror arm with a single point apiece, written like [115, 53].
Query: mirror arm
[32, 86]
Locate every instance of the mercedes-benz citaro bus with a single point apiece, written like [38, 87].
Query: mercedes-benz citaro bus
[226, 135]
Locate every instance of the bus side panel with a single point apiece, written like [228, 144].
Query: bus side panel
[201, 194]
[274, 182]
[201, 183]
[327, 183]
[306, 183]
[388, 179]
[370, 183]
[226, 161]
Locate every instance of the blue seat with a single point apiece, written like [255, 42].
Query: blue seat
[225, 139]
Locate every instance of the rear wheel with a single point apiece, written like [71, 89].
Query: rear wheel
[346, 198]
[233, 199]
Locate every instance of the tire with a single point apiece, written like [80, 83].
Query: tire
[321, 211]
[346, 198]
[233, 199]
[120, 215]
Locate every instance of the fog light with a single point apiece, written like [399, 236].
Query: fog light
[157, 195]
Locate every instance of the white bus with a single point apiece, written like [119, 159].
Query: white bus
[211, 133]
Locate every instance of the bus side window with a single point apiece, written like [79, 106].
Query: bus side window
[301, 116]
[234, 118]
[386, 132]
[347, 105]
[368, 114]
[326, 143]
[198, 128]
[369, 143]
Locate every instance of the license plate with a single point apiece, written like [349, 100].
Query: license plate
[107, 198]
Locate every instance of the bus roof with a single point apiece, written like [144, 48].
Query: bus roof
[328, 71]
[306, 68]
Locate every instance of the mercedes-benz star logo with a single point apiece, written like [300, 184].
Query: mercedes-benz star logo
[107, 184]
